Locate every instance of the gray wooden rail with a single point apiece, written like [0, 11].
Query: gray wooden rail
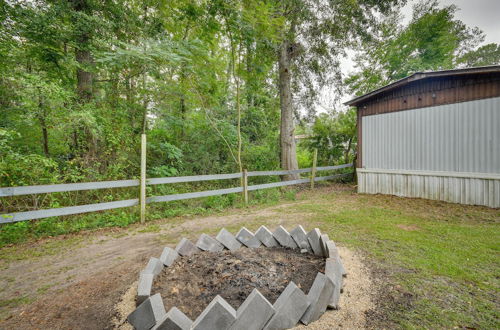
[41, 189]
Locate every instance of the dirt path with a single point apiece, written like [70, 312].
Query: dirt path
[75, 282]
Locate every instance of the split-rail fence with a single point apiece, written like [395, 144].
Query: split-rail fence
[244, 188]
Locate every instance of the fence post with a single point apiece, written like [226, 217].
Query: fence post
[313, 171]
[143, 178]
[245, 186]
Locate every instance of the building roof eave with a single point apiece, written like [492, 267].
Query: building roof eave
[423, 75]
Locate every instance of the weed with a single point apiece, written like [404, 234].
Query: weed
[150, 229]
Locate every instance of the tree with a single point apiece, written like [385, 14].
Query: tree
[485, 55]
[433, 40]
[334, 135]
[313, 36]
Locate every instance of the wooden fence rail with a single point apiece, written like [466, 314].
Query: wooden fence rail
[41, 189]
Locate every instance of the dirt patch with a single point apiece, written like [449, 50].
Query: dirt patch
[191, 283]
[408, 227]
[389, 298]
[85, 305]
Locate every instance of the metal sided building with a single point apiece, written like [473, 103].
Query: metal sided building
[432, 135]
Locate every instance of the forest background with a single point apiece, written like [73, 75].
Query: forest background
[216, 85]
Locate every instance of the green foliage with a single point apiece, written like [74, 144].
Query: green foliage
[304, 157]
[220, 202]
[433, 40]
[485, 55]
[21, 170]
[334, 135]
[18, 169]
[160, 67]
[81, 80]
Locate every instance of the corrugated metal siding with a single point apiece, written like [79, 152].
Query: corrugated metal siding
[461, 137]
[461, 190]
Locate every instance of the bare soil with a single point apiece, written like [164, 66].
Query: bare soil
[191, 283]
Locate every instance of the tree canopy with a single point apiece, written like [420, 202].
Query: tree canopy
[216, 85]
[434, 39]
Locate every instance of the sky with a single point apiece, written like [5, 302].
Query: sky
[481, 13]
[485, 14]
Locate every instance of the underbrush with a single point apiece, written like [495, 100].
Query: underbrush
[27, 230]
[54, 226]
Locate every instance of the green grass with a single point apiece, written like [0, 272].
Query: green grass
[438, 264]
[150, 229]
[14, 302]
[444, 256]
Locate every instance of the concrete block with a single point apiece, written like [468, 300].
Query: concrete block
[289, 308]
[254, 313]
[168, 256]
[284, 238]
[148, 313]
[228, 240]
[144, 287]
[334, 273]
[299, 235]
[218, 315]
[341, 266]
[323, 239]
[246, 237]
[174, 320]
[266, 237]
[207, 243]
[318, 297]
[154, 266]
[331, 249]
[186, 248]
[313, 237]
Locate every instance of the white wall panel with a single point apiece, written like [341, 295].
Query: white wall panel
[455, 189]
[460, 137]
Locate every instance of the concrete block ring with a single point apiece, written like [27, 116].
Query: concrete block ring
[256, 312]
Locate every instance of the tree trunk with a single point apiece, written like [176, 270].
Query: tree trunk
[287, 130]
[83, 77]
[43, 124]
[84, 82]
[83, 55]
[45, 140]
[182, 102]
[346, 153]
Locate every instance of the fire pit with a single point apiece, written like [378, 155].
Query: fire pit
[247, 272]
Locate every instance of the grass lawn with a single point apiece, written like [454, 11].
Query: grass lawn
[441, 260]
[437, 264]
